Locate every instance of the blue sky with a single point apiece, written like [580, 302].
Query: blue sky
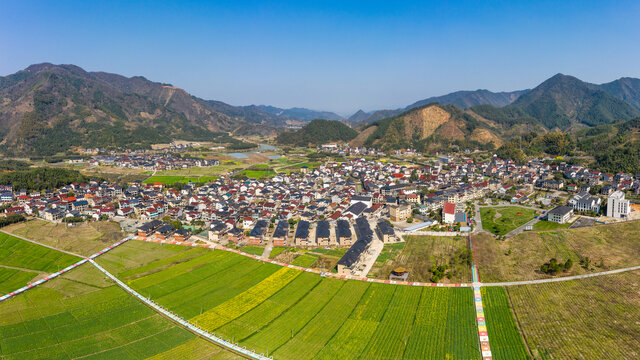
[330, 55]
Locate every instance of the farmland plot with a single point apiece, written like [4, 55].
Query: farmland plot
[15, 252]
[506, 342]
[594, 318]
[101, 322]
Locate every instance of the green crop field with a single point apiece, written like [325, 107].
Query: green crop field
[501, 220]
[13, 279]
[81, 315]
[22, 261]
[293, 314]
[504, 336]
[170, 180]
[304, 260]
[594, 318]
[254, 250]
[257, 174]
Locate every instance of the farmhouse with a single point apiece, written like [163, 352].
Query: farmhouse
[323, 233]
[182, 235]
[147, 229]
[258, 232]
[281, 233]
[302, 234]
[164, 231]
[386, 232]
[365, 236]
[343, 233]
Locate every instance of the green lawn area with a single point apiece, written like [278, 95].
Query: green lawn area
[501, 220]
[549, 225]
[293, 314]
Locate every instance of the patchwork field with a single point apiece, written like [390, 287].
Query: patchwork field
[170, 179]
[84, 239]
[81, 315]
[419, 253]
[594, 318]
[501, 220]
[607, 247]
[299, 315]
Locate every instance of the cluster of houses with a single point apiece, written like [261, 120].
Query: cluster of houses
[318, 207]
[151, 161]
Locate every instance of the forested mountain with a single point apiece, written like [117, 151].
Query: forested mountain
[467, 99]
[626, 89]
[562, 102]
[46, 109]
[615, 147]
[318, 132]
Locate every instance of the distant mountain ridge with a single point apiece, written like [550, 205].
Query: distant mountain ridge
[563, 102]
[462, 99]
[466, 99]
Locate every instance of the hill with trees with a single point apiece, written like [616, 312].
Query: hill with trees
[318, 132]
[562, 102]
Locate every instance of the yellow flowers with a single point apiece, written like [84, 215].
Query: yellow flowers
[240, 304]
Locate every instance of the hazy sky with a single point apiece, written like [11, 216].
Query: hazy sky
[331, 55]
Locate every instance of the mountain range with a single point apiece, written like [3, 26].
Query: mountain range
[47, 109]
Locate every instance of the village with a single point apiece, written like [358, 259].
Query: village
[359, 204]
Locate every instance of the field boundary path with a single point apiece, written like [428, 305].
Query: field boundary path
[234, 347]
[58, 273]
[37, 243]
[564, 278]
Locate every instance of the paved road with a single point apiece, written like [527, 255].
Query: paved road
[565, 278]
[37, 243]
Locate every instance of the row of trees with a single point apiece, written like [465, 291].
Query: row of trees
[41, 178]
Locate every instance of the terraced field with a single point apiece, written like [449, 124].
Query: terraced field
[298, 315]
[81, 315]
